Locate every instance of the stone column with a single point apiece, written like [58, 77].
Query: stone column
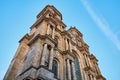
[48, 29]
[51, 59]
[73, 71]
[94, 78]
[89, 62]
[44, 54]
[86, 76]
[70, 46]
[91, 77]
[53, 33]
[66, 44]
[86, 60]
[68, 69]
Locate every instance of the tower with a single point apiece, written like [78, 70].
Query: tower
[49, 52]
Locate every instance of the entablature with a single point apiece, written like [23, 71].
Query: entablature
[27, 37]
[42, 37]
[54, 21]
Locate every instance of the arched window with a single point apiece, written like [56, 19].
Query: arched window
[55, 68]
[77, 68]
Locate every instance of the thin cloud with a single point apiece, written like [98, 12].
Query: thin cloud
[102, 24]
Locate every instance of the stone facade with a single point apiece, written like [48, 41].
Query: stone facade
[49, 52]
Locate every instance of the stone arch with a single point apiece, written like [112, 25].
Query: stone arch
[77, 65]
[59, 59]
[55, 68]
[56, 75]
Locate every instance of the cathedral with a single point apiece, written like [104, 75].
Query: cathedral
[50, 52]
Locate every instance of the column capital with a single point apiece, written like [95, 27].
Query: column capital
[68, 59]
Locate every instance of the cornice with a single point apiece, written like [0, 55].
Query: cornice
[58, 30]
[88, 68]
[24, 37]
[35, 38]
[41, 37]
[60, 51]
[68, 53]
[65, 33]
[55, 21]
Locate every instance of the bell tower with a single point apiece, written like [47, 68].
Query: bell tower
[39, 59]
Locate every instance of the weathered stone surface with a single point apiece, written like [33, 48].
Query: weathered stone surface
[45, 74]
[48, 41]
[31, 73]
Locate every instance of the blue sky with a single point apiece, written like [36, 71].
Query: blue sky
[98, 20]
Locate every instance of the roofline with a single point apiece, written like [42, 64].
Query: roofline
[53, 9]
[76, 30]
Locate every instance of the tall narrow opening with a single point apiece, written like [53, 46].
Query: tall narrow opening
[55, 68]
[77, 67]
